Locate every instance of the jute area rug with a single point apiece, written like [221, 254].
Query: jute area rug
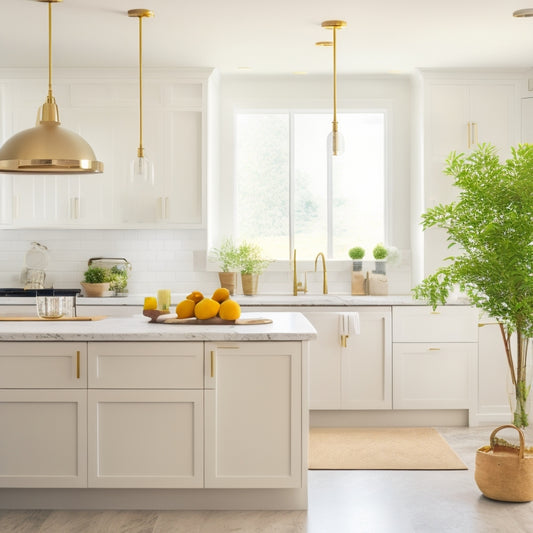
[380, 449]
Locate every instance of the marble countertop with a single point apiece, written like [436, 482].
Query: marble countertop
[285, 326]
[260, 300]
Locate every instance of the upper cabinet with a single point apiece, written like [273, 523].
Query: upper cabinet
[103, 107]
[459, 111]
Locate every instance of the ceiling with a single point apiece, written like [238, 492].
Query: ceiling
[270, 36]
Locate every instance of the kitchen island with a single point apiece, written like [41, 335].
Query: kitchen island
[120, 413]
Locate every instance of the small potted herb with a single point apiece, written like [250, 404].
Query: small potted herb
[96, 281]
[380, 254]
[357, 253]
[252, 263]
[227, 257]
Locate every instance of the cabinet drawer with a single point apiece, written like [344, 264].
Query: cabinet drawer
[43, 365]
[433, 376]
[146, 365]
[445, 324]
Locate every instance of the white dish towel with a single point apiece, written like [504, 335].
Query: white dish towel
[349, 324]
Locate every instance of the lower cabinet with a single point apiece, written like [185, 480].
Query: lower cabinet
[43, 438]
[353, 371]
[253, 415]
[151, 414]
[145, 438]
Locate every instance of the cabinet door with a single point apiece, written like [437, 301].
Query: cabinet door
[366, 378]
[54, 365]
[433, 376]
[145, 438]
[357, 375]
[325, 362]
[253, 416]
[43, 440]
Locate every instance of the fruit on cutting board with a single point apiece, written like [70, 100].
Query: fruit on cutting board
[185, 309]
[220, 295]
[206, 308]
[150, 302]
[195, 296]
[229, 310]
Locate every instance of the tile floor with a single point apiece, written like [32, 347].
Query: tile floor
[339, 502]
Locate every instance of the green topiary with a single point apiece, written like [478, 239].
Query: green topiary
[97, 275]
[380, 252]
[356, 253]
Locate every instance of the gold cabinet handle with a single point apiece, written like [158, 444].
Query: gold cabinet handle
[469, 136]
[344, 344]
[78, 364]
[434, 349]
[212, 363]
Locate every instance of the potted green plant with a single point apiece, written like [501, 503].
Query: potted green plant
[380, 254]
[227, 257]
[118, 279]
[252, 263]
[491, 226]
[96, 281]
[357, 253]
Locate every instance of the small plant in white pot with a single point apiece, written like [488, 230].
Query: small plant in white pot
[96, 281]
[227, 256]
[356, 254]
[380, 254]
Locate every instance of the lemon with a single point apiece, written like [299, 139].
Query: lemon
[195, 296]
[220, 295]
[185, 309]
[150, 302]
[206, 308]
[229, 310]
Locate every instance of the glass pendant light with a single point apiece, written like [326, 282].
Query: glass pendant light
[47, 147]
[335, 142]
[141, 168]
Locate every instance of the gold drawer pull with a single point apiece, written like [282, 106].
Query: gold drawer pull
[212, 363]
[78, 364]
[434, 349]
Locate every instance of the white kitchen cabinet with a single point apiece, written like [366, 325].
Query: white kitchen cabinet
[253, 415]
[43, 414]
[356, 375]
[145, 414]
[145, 438]
[103, 107]
[434, 357]
[459, 112]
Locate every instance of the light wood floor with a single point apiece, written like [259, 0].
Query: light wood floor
[339, 502]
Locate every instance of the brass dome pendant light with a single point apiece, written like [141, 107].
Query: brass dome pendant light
[141, 168]
[335, 138]
[48, 148]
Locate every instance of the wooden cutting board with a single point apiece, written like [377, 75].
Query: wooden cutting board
[159, 318]
[38, 319]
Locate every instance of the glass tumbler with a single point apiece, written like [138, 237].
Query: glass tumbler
[50, 306]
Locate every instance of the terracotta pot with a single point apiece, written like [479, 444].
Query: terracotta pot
[249, 283]
[228, 280]
[95, 290]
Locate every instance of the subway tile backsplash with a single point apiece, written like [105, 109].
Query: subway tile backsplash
[173, 259]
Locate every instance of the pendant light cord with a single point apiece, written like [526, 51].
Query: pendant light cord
[50, 97]
[140, 151]
[334, 78]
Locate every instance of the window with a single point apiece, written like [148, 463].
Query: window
[288, 193]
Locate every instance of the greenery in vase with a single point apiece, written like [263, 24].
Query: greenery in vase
[380, 252]
[492, 225]
[96, 275]
[227, 256]
[356, 253]
[118, 277]
[251, 259]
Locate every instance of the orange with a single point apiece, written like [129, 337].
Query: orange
[195, 296]
[185, 309]
[206, 308]
[229, 310]
[220, 295]
[150, 302]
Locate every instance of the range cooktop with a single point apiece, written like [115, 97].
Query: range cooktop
[18, 292]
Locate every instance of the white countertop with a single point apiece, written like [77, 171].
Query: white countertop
[285, 327]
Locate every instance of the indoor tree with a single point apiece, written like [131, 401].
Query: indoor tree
[490, 226]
